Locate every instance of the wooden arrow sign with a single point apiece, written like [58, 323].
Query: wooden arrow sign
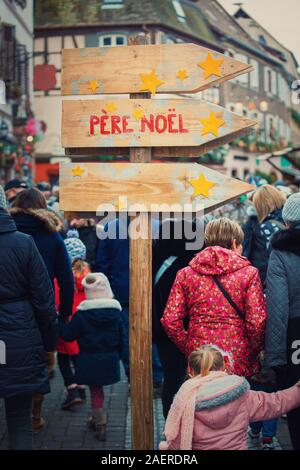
[153, 187]
[147, 123]
[179, 68]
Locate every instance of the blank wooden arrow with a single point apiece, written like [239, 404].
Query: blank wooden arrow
[86, 186]
[148, 123]
[181, 68]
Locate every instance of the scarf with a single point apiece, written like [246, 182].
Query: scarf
[182, 412]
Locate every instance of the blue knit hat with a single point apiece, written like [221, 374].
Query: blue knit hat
[75, 248]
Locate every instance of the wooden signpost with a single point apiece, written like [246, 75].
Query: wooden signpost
[145, 127]
[88, 186]
[146, 123]
[165, 68]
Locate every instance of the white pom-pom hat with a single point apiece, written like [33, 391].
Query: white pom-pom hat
[97, 286]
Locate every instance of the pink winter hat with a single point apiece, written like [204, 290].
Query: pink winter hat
[97, 286]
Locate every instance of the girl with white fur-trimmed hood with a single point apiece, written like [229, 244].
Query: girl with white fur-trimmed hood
[97, 326]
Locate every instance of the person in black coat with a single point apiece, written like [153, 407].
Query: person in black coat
[27, 328]
[87, 234]
[32, 217]
[169, 256]
[283, 308]
[265, 219]
[98, 328]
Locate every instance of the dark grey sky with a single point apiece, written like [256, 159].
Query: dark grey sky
[280, 17]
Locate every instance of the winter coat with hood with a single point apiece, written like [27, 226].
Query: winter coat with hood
[257, 246]
[212, 320]
[223, 409]
[283, 297]
[44, 227]
[97, 326]
[27, 313]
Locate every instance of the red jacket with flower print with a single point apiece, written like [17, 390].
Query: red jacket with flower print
[212, 320]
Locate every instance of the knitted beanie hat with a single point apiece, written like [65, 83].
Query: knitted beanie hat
[2, 198]
[97, 286]
[75, 248]
[291, 209]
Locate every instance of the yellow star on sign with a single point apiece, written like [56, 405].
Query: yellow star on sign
[201, 186]
[211, 66]
[150, 82]
[111, 107]
[138, 113]
[93, 85]
[182, 74]
[78, 171]
[211, 124]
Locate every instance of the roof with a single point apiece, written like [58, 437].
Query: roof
[262, 37]
[223, 23]
[55, 13]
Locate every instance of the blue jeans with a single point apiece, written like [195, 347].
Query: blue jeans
[158, 374]
[267, 428]
[18, 418]
[156, 364]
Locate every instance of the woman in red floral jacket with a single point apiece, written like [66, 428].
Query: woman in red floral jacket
[235, 324]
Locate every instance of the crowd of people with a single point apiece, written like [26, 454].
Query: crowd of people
[226, 318]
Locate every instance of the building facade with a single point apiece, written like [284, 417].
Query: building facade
[16, 83]
[264, 94]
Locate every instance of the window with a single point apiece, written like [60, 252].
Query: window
[287, 133]
[281, 128]
[270, 81]
[7, 52]
[242, 79]
[262, 40]
[111, 4]
[179, 11]
[113, 40]
[211, 95]
[169, 40]
[283, 90]
[254, 75]
[271, 129]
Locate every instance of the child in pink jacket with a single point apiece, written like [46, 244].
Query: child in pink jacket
[212, 410]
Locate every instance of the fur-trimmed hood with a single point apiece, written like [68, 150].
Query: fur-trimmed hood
[31, 220]
[288, 240]
[221, 392]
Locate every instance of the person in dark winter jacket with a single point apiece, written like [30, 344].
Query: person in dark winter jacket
[32, 217]
[283, 307]
[169, 256]
[97, 326]
[27, 328]
[265, 219]
[87, 234]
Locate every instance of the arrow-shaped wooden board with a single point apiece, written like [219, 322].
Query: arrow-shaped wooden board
[147, 123]
[166, 68]
[156, 187]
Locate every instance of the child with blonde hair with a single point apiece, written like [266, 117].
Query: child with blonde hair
[213, 409]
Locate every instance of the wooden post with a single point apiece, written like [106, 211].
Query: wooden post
[140, 323]
[140, 316]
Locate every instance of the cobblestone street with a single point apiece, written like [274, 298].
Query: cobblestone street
[67, 430]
